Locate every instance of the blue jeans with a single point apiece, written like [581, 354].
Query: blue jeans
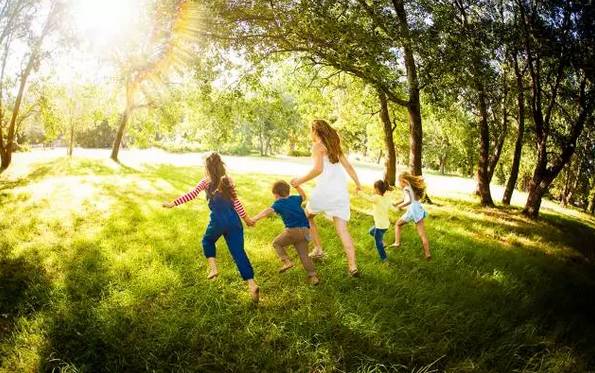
[378, 235]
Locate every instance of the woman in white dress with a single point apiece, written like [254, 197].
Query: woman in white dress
[330, 195]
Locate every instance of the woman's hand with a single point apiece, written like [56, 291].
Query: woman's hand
[295, 182]
[168, 205]
[358, 188]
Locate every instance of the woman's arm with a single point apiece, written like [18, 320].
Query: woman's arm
[365, 196]
[202, 185]
[350, 171]
[301, 192]
[317, 154]
[263, 214]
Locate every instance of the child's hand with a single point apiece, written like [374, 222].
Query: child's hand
[295, 182]
[168, 205]
[249, 221]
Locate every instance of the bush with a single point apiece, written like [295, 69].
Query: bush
[298, 153]
[180, 148]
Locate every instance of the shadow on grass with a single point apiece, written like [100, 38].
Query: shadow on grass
[498, 223]
[24, 289]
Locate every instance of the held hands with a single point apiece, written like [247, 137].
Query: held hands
[168, 205]
[295, 182]
[249, 221]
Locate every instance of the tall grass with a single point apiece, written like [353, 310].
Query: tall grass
[96, 276]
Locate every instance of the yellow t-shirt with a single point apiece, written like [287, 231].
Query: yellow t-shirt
[380, 210]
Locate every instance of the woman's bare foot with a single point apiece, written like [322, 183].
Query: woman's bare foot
[313, 280]
[354, 272]
[395, 245]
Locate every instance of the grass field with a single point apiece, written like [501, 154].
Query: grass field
[96, 276]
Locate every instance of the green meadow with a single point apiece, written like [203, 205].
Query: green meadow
[96, 276]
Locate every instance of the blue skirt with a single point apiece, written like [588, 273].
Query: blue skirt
[415, 212]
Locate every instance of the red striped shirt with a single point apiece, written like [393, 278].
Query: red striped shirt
[203, 185]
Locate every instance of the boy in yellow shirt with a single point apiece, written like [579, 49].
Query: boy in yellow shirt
[382, 204]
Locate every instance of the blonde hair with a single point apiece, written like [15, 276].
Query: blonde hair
[330, 138]
[417, 183]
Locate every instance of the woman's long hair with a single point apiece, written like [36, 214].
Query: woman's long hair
[330, 138]
[219, 181]
[417, 183]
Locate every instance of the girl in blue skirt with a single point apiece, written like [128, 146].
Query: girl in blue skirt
[414, 189]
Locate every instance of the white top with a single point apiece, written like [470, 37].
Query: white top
[330, 195]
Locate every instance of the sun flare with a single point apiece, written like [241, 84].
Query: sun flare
[104, 22]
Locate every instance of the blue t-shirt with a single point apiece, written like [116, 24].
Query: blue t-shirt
[291, 211]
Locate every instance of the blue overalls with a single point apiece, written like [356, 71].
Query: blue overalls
[226, 222]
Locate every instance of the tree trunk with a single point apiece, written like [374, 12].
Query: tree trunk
[518, 145]
[119, 136]
[569, 197]
[483, 177]
[442, 158]
[123, 121]
[390, 169]
[414, 106]
[6, 152]
[380, 154]
[536, 192]
[71, 142]
[591, 207]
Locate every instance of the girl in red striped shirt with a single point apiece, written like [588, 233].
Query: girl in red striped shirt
[226, 210]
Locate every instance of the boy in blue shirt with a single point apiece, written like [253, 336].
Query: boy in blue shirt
[297, 228]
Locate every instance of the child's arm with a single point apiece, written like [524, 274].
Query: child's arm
[301, 192]
[237, 205]
[202, 185]
[406, 200]
[263, 214]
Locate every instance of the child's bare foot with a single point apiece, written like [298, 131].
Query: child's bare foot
[313, 280]
[213, 273]
[354, 272]
[316, 254]
[428, 257]
[286, 266]
[255, 293]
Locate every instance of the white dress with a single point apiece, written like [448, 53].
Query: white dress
[330, 195]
